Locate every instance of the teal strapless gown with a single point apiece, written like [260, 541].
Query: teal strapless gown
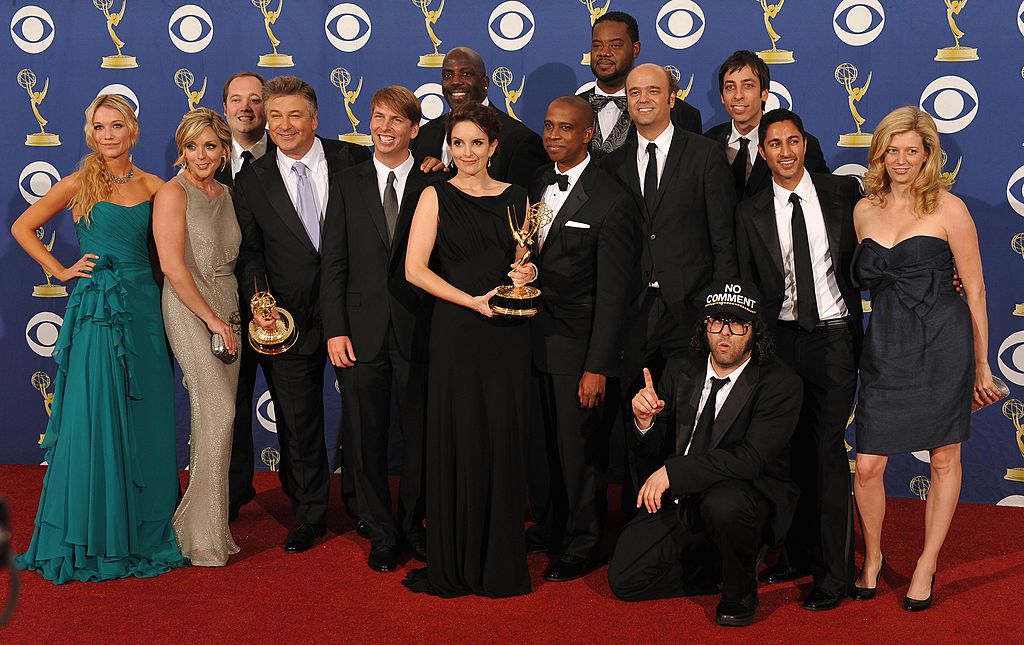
[112, 483]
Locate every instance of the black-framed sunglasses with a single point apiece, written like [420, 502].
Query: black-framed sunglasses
[736, 327]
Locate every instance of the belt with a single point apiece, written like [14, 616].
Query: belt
[824, 325]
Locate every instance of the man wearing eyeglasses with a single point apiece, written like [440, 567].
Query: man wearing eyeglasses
[720, 423]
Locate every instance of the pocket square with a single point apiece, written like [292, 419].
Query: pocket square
[572, 224]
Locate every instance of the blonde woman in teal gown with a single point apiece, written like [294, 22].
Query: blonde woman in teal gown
[112, 482]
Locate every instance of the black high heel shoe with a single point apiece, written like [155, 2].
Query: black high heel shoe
[919, 605]
[867, 593]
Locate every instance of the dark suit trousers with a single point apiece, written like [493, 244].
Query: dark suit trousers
[366, 391]
[240, 471]
[662, 556]
[821, 537]
[569, 454]
[297, 386]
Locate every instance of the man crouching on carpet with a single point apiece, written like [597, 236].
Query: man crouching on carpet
[721, 421]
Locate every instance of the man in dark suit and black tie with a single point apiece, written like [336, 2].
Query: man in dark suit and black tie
[720, 423]
[586, 258]
[743, 82]
[614, 47]
[281, 201]
[796, 241]
[377, 325]
[464, 78]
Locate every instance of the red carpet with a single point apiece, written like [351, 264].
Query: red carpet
[329, 595]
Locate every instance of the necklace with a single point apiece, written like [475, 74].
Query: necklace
[114, 179]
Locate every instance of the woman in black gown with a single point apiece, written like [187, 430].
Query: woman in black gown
[477, 404]
[926, 351]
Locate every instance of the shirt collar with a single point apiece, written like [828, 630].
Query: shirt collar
[804, 189]
[258, 149]
[574, 173]
[401, 171]
[600, 92]
[734, 375]
[735, 136]
[662, 140]
[314, 156]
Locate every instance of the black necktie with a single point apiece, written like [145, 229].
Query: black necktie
[651, 177]
[247, 159]
[739, 166]
[701, 437]
[806, 300]
[552, 177]
[600, 100]
[391, 205]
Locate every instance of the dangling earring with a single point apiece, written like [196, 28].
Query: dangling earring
[488, 162]
[184, 164]
[223, 161]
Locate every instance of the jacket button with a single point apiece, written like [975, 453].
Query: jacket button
[653, 237]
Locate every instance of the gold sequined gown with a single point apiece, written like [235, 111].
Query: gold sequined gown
[212, 237]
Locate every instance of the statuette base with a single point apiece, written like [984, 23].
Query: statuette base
[956, 54]
[776, 56]
[431, 60]
[49, 291]
[119, 61]
[855, 140]
[357, 138]
[275, 60]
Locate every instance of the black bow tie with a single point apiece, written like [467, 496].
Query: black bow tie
[552, 177]
[600, 100]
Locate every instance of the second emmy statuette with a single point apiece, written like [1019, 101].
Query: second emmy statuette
[48, 290]
[275, 58]
[773, 56]
[277, 340]
[27, 79]
[522, 301]
[341, 79]
[184, 79]
[846, 74]
[1014, 411]
[957, 53]
[430, 18]
[118, 60]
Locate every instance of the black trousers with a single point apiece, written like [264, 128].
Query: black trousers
[568, 473]
[366, 393]
[240, 471]
[820, 539]
[661, 555]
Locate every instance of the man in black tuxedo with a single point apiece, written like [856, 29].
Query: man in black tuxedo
[586, 258]
[464, 78]
[377, 325]
[796, 242]
[614, 47]
[743, 82]
[281, 201]
[720, 424]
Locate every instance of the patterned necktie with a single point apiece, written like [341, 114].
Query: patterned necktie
[651, 177]
[391, 205]
[700, 441]
[806, 299]
[305, 204]
[605, 142]
[739, 166]
[600, 100]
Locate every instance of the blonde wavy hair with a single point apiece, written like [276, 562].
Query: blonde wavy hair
[94, 184]
[192, 125]
[930, 183]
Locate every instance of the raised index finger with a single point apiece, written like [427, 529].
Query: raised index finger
[648, 381]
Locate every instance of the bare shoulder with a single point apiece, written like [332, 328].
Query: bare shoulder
[151, 182]
[169, 192]
[864, 211]
[951, 205]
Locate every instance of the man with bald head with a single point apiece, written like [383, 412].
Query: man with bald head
[464, 78]
[586, 258]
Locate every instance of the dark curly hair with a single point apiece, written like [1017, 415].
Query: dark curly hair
[764, 341]
[480, 115]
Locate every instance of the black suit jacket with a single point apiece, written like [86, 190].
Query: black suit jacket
[683, 116]
[363, 282]
[223, 175]
[688, 238]
[520, 149]
[275, 248]
[760, 175]
[588, 276]
[760, 253]
[750, 435]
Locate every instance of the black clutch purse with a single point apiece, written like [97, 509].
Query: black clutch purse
[220, 350]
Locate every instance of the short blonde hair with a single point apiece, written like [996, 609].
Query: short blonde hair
[192, 125]
[930, 182]
[94, 184]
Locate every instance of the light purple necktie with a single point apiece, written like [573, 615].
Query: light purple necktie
[305, 205]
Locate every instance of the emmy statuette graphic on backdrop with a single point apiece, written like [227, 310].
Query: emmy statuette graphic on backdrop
[341, 79]
[1014, 411]
[522, 301]
[846, 74]
[502, 77]
[773, 56]
[273, 59]
[919, 486]
[956, 53]
[595, 13]
[271, 458]
[430, 18]
[849, 422]
[1017, 244]
[284, 334]
[118, 60]
[948, 175]
[41, 382]
[184, 79]
[27, 80]
[682, 92]
[48, 290]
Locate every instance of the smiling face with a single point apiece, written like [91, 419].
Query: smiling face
[463, 78]
[391, 132]
[567, 132]
[110, 133]
[292, 124]
[905, 157]
[612, 53]
[204, 155]
[649, 99]
[471, 148]
[783, 149]
[243, 108]
[742, 96]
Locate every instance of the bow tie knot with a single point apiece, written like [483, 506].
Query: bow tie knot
[598, 101]
[552, 177]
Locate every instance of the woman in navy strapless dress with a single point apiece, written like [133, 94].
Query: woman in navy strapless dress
[925, 350]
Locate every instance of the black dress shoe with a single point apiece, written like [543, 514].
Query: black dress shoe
[867, 593]
[383, 558]
[417, 545]
[732, 613]
[301, 539]
[568, 568]
[775, 574]
[911, 604]
[362, 530]
[821, 600]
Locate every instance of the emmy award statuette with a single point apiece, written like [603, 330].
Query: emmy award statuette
[502, 77]
[277, 340]
[184, 79]
[340, 78]
[118, 60]
[948, 175]
[956, 53]
[273, 59]
[919, 486]
[846, 74]
[430, 19]
[41, 382]
[1017, 244]
[48, 290]
[1014, 411]
[595, 13]
[681, 93]
[849, 422]
[271, 458]
[773, 56]
[522, 301]
[1018, 309]
[27, 79]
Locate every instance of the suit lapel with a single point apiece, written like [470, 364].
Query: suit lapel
[574, 201]
[688, 391]
[758, 172]
[371, 200]
[675, 153]
[741, 391]
[277, 195]
[628, 173]
[832, 214]
[764, 222]
[410, 196]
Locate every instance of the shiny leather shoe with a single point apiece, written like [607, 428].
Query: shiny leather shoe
[821, 600]
[417, 545]
[911, 604]
[362, 530]
[568, 568]
[732, 613]
[867, 593]
[383, 558]
[780, 573]
[302, 538]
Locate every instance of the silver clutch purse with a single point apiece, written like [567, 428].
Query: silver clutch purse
[1002, 391]
[219, 350]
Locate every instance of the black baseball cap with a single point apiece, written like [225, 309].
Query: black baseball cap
[735, 299]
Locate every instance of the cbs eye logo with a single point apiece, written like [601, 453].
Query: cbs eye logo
[265, 413]
[41, 332]
[778, 97]
[190, 28]
[858, 22]
[680, 23]
[1011, 358]
[36, 180]
[1015, 191]
[124, 91]
[32, 29]
[1020, 18]
[952, 101]
[850, 170]
[431, 101]
[511, 25]
[347, 27]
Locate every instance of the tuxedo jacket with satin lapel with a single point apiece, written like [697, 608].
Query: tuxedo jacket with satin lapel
[223, 175]
[683, 116]
[760, 252]
[275, 247]
[750, 435]
[588, 275]
[760, 175]
[688, 239]
[363, 278]
[520, 149]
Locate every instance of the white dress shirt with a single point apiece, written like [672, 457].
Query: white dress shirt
[555, 197]
[830, 299]
[609, 114]
[446, 150]
[258, 150]
[663, 142]
[401, 175]
[733, 147]
[316, 164]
